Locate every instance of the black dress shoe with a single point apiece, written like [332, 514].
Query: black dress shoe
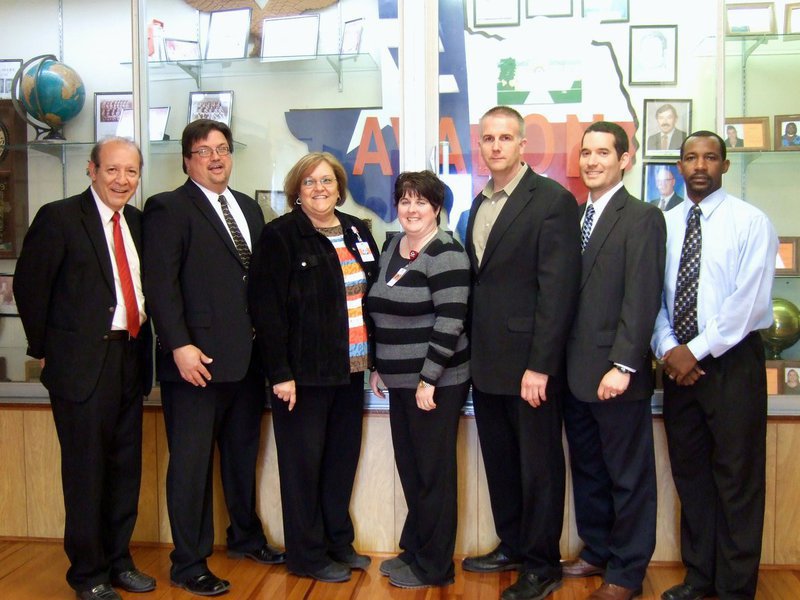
[404, 577]
[104, 591]
[333, 572]
[206, 584]
[391, 564]
[683, 591]
[493, 562]
[530, 587]
[350, 558]
[266, 555]
[133, 581]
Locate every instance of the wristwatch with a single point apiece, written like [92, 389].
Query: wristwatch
[423, 384]
[623, 370]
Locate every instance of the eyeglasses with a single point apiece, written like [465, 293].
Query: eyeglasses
[205, 151]
[327, 182]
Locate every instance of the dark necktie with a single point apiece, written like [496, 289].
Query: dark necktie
[125, 279]
[236, 234]
[685, 312]
[586, 230]
[664, 141]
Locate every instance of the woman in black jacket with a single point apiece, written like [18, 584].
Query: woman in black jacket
[309, 276]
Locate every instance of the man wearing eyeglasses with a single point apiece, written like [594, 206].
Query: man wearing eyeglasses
[197, 244]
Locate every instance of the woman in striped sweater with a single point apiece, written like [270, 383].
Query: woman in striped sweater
[418, 303]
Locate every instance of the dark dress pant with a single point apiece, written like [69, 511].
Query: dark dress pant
[318, 444]
[716, 435]
[425, 453]
[525, 470]
[101, 468]
[614, 485]
[228, 414]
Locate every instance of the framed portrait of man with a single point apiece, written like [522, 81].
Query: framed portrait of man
[663, 185]
[746, 133]
[654, 55]
[666, 123]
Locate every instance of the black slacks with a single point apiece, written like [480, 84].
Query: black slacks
[525, 471]
[716, 435]
[614, 485]
[101, 468]
[425, 453]
[228, 414]
[318, 443]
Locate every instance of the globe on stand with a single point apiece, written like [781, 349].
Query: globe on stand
[47, 93]
[784, 331]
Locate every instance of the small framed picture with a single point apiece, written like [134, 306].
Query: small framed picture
[108, 109]
[157, 123]
[654, 55]
[774, 377]
[351, 36]
[665, 125]
[8, 306]
[786, 132]
[8, 68]
[228, 34]
[178, 50]
[746, 133]
[548, 8]
[217, 106]
[754, 18]
[272, 203]
[791, 378]
[33, 370]
[663, 185]
[496, 13]
[607, 11]
[786, 263]
[791, 18]
[290, 38]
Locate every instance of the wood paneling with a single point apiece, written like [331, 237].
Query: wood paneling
[669, 510]
[787, 495]
[147, 522]
[44, 497]
[13, 511]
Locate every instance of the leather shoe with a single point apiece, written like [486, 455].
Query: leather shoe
[350, 558]
[683, 591]
[404, 577]
[133, 581]
[609, 591]
[104, 591]
[266, 555]
[333, 572]
[206, 584]
[577, 567]
[530, 587]
[493, 562]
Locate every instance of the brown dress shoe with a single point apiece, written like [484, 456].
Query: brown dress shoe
[577, 567]
[609, 591]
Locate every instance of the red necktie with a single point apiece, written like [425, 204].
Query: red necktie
[125, 280]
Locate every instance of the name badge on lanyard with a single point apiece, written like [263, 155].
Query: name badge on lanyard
[397, 276]
[363, 247]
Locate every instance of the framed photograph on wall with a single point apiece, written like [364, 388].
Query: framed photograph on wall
[157, 123]
[8, 68]
[665, 125]
[217, 106]
[608, 11]
[654, 54]
[177, 50]
[663, 185]
[548, 8]
[272, 203]
[351, 36]
[786, 263]
[787, 132]
[290, 38]
[791, 18]
[8, 306]
[750, 19]
[495, 13]
[790, 380]
[108, 109]
[746, 133]
[228, 33]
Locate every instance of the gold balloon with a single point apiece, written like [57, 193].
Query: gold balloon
[784, 331]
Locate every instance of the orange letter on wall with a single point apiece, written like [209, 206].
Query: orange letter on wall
[379, 156]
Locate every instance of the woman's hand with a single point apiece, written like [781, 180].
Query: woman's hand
[286, 391]
[377, 385]
[425, 397]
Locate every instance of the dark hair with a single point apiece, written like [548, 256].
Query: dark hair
[200, 130]
[424, 184]
[505, 111]
[304, 166]
[703, 133]
[665, 108]
[620, 137]
[94, 156]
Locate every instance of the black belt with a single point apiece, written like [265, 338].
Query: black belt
[117, 335]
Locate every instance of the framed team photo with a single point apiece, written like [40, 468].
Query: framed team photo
[217, 106]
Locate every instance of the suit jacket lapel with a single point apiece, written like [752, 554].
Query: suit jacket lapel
[602, 229]
[200, 200]
[135, 226]
[94, 229]
[470, 245]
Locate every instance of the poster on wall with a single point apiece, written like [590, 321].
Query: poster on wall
[654, 55]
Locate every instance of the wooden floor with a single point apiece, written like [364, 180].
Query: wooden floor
[35, 571]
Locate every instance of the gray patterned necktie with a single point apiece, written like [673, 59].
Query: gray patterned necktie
[586, 230]
[685, 310]
[236, 234]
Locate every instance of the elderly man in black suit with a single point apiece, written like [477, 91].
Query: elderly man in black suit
[79, 294]
[607, 413]
[523, 244]
[197, 244]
